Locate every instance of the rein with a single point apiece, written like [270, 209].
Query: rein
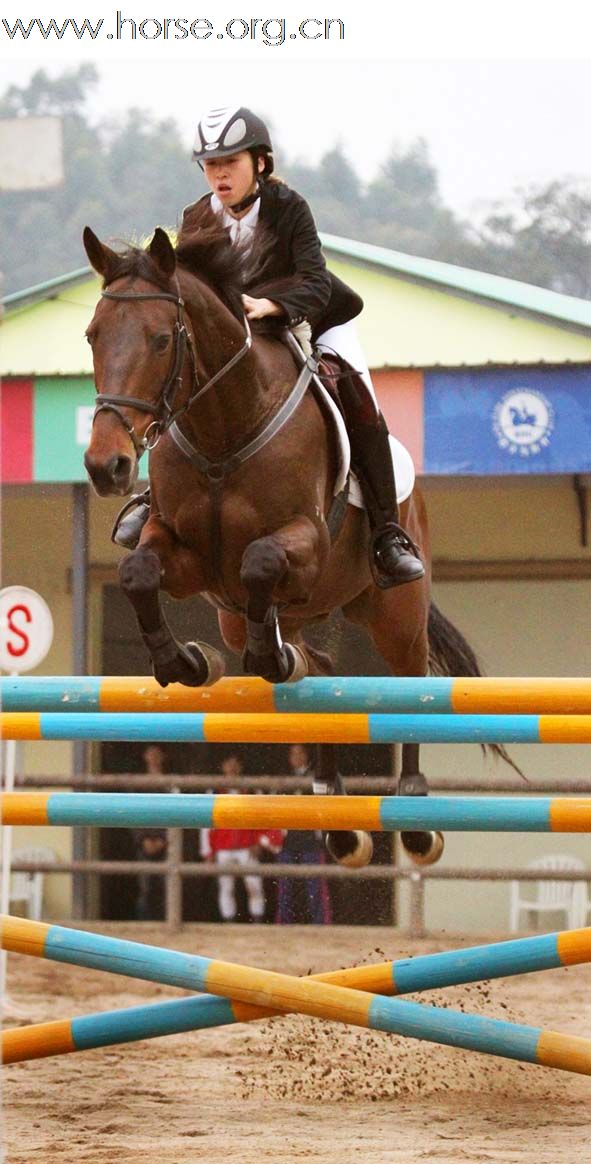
[163, 410]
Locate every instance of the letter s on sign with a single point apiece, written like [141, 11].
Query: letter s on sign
[18, 649]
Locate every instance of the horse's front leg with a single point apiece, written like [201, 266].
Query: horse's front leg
[160, 562]
[280, 568]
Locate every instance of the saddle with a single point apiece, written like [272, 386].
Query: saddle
[331, 371]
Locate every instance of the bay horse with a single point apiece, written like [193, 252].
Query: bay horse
[242, 471]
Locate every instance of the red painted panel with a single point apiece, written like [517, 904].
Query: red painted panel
[16, 436]
[400, 395]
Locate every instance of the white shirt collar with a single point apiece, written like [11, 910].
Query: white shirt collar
[241, 229]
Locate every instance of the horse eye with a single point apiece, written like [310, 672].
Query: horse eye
[161, 342]
[88, 338]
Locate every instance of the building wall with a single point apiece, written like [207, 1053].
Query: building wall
[518, 627]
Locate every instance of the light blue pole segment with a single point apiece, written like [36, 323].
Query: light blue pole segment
[196, 810]
[454, 1029]
[453, 967]
[149, 1022]
[131, 809]
[487, 814]
[123, 725]
[50, 693]
[151, 963]
[458, 729]
[365, 693]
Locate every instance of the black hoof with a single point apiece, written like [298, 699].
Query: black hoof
[351, 849]
[282, 666]
[187, 666]
[423, 848]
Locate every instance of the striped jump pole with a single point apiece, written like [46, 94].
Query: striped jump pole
[281, 992]
[535, 814]
[289, 728]
[350, 694]
[131, 1024]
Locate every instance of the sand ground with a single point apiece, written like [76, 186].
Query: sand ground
[294, 1088]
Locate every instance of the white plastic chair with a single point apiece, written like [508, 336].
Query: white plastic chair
[550, 896]
[28, 887]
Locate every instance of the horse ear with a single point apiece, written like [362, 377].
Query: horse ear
[101, 257]
[162, 252]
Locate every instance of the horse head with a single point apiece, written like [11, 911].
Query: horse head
[138, 341]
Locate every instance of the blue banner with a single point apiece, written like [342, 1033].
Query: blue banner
[509, 420]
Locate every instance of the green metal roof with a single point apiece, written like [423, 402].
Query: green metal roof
[477, 284]
[48, 290]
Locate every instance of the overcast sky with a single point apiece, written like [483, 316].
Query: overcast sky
[490, 125]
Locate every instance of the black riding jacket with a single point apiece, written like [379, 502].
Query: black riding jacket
[316, 294]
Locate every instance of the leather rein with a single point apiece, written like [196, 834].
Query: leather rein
[163, 410]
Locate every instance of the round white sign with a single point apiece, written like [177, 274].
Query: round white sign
[26, 629]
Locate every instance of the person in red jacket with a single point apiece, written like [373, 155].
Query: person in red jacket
[239, 847]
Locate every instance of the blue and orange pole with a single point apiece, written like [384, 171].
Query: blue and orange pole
[538, 814]
[350, 694]
[243, 993]
[289, 728]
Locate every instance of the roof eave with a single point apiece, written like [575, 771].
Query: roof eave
[48, 290]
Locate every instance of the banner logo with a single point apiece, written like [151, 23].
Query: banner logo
[523, 422]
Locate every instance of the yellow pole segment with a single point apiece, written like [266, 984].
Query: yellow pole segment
[285, 728]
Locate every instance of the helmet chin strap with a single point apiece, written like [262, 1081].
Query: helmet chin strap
[248, 201]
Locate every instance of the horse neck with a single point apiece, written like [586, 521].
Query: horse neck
[225, 416]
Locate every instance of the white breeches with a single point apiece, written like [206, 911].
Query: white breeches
[344, 340]
[227, 886]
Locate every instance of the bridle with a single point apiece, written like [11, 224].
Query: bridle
[163, 409]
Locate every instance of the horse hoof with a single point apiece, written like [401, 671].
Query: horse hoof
[214, 661]
[298, 663]
[423, 848]
[193, 665]
[354, 850]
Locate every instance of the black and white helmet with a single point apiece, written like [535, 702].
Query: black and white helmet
[228, 130]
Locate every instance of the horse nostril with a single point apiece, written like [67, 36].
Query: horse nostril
[120, 469]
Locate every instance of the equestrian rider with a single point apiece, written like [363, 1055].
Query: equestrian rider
[234, 149]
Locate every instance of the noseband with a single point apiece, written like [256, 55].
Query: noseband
[163, 410]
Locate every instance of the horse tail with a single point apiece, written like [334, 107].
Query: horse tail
[451, 654]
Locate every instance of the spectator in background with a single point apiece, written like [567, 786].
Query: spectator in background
[151, 845]
[238, 847]
[302, 848]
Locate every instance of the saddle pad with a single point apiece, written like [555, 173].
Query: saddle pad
[404, 470]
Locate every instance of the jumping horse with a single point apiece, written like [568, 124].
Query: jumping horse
[242, 471]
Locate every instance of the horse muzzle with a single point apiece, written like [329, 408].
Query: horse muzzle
[117, 475]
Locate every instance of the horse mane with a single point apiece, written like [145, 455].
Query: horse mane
[204, 249]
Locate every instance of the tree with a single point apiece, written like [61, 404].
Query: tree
[543, 236]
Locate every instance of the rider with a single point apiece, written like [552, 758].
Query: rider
[234, 149]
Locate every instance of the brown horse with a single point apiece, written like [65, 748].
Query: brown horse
[242, 473]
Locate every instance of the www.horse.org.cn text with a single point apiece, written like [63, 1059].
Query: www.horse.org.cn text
[269, 31]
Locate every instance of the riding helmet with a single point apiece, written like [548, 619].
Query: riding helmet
[229, 130]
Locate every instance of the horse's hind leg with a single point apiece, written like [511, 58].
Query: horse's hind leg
[398, 622]
[141, 575]
[352, 848]
[424, 848]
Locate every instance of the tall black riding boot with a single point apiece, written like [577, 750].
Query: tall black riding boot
[394, 557]
[131, 520]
